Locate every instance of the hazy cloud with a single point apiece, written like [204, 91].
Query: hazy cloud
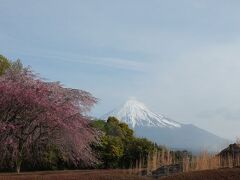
[221, 114]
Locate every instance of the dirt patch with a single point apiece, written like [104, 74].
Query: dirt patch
[73, 175]
[220, 174]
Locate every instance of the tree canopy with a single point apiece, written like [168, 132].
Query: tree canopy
[35, 115]
[4, 64]
[119, 147]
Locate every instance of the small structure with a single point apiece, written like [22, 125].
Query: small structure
[230, 157]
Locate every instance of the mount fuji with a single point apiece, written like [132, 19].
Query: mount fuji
[165, 131]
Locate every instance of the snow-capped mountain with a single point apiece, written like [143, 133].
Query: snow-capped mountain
[135, 113]
[163, 130]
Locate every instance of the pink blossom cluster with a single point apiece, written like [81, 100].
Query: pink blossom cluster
[34, 112]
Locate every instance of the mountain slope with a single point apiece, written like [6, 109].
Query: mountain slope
[165, 131]
[135, 113]
[187, 137]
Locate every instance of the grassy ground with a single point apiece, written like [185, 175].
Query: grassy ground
[220, 174]
[73, 175]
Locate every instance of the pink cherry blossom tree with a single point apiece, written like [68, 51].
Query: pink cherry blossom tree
[34, 112]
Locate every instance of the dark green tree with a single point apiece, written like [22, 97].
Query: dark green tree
[4, 64]
[112, 151]
[118, 147]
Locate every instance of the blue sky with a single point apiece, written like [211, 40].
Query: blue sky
[181, 58]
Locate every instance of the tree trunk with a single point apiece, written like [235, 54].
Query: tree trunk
[18, 163]
[19, 156]
[18, 168]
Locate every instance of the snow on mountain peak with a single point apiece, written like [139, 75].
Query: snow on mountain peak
[135, 113]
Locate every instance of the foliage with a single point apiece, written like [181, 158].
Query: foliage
[7, 65]
[119, 148]
[4, 64]
[112, 151]
[137, 149]
[35, 113]
[49, 158]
